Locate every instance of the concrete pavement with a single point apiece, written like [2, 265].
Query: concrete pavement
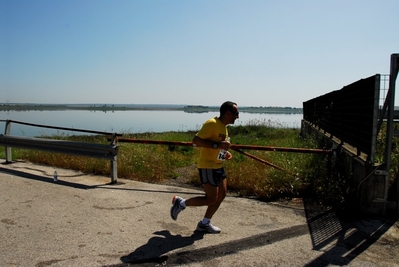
[82, 220]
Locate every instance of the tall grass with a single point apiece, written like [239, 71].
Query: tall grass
[303, 173]
[247, 177]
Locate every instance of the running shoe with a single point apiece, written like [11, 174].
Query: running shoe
[176, 207]
[208, 228]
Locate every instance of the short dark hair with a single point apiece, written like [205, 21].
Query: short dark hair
[227, 106]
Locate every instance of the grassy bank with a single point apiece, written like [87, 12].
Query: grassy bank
[302, 173]
[160, 163]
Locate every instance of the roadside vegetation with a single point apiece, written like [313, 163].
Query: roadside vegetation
[302, 173]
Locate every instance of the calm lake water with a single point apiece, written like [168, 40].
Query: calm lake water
[133, 121]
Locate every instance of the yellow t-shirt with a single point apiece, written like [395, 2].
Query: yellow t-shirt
[213, 129]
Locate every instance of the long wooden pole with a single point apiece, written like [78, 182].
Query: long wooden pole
[259, 159]
[234, 147]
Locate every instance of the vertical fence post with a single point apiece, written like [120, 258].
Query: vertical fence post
[375, 130]
[389, 131]
[7, 131]
[114, 165]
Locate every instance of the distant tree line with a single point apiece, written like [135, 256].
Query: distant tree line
[201, 109]
[115, 107]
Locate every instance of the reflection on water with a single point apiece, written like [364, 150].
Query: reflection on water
[135, 121]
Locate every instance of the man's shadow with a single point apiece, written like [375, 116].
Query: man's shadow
[153, 251]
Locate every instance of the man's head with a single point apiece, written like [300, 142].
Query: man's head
[229, 112]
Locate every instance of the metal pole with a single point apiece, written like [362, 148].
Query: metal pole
[389, 130]
[63, 128]
[114, 164]
[375, 130]
[7, 131]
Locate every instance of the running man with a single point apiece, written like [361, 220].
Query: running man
[213, 140]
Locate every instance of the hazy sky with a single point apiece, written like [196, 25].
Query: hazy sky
[200, 52]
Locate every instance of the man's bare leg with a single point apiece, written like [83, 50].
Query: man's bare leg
[222, 191]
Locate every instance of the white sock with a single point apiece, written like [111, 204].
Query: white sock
[205, 220]
[183, 203]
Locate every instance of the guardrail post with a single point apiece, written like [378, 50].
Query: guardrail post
[7, 131]
[114, 165]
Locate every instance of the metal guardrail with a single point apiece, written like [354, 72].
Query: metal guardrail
[101, 151]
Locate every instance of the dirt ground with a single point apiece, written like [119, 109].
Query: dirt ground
[82, 220]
